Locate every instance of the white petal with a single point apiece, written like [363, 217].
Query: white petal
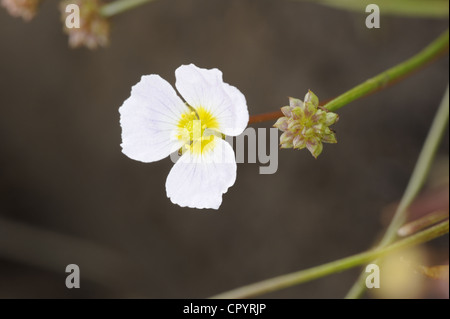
[205, 88]
[198, 181]
[149, 119]
[240, 109]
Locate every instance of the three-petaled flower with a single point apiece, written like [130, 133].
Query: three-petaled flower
[156, 123]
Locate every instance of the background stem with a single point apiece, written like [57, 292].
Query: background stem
[415, 183]
[119, 6]
[302, 276]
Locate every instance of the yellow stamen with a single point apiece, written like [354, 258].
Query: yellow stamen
[192, 126]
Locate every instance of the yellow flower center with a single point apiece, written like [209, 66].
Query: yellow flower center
[197, 128]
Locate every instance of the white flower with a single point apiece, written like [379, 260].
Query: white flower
[156, 122]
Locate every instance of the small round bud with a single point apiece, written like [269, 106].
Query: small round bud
[306, 125]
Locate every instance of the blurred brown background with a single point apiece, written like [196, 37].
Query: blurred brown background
[68, 194]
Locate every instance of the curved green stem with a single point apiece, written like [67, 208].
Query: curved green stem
[379, 82]
[302, 276]
[119, 6]
[432, 51]
[415, 183]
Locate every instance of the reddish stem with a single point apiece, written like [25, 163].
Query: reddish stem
[270, 116]
[258, 118]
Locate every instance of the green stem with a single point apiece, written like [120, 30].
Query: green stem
[119, 6]
[302, 276]
[415, 183]
[432, 51]
[379, 82]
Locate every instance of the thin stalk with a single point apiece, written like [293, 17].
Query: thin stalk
[119, 6]
[383, 80]
[396, 73]
[415, 183]
[302, 276]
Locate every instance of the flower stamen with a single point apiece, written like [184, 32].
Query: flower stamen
[197, 129]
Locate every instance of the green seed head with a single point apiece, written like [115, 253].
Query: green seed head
[306, 125]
